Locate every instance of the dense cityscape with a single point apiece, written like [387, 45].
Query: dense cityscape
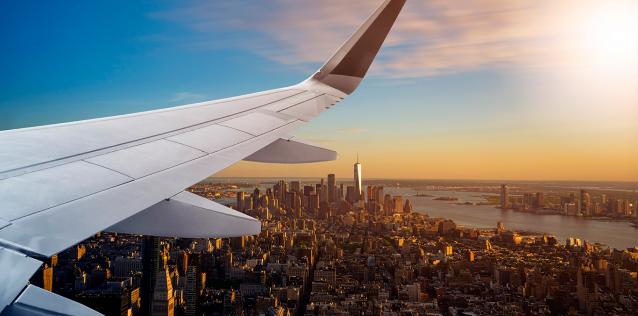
[336, 249]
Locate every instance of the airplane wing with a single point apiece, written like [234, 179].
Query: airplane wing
[60, 184]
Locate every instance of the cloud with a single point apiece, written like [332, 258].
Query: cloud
[432, 37]
[186, 97]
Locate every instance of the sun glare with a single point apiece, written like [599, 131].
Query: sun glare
[608, 35]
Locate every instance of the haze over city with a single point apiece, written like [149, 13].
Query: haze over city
[487, 90]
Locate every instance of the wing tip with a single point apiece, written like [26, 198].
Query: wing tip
[349, 65]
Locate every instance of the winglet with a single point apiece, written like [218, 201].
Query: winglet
[345, 70]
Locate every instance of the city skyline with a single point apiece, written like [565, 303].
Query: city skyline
[318, 242]
[531, 108]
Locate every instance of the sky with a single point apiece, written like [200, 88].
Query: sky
[483, 89]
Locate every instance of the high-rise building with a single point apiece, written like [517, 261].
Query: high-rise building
[191, 291]
[322, 191]
[332, 188]
[281, 189]
[150, 269]
[256, 196]
[163, 303]
[182, 262]
[505, 196]
[540, 200]
[398, 204]
[295, 186]
[528, 201]
[407, 207]
[351, 194]
[228, 263]
[124, 267]
[314, 202]
[241, 196]
[308, 190]
[585, 202]
[388, 204]
[357, 178]
[375, 194]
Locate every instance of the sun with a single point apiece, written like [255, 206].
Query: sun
[607, 35]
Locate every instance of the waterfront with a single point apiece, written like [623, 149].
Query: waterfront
[614, 234]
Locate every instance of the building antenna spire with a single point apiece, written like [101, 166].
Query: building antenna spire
[357, 157]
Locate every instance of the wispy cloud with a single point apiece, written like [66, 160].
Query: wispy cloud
[432, 37]
[187, 97]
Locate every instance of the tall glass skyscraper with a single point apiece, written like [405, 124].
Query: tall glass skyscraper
[357, 178]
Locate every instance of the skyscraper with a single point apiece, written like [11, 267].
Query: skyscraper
[540, 200]
[397, 204]
[357, 178]
[505, 196]
[150, 268]
[351, 194]
[191, 291]
[332, 188]
[256, 196]
[241, 196]
[585, 202]
[295, 186]
[163, 300]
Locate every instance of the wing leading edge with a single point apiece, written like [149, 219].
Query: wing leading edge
[116, 173]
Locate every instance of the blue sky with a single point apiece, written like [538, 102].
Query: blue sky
[92, 59]
[452, 80]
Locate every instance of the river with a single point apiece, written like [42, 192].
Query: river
[614, 234]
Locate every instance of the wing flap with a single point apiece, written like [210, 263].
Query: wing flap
[188, 215]
[16, 269]
[292, 152]
[35, 301]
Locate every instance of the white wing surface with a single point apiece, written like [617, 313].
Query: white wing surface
[60, 184]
